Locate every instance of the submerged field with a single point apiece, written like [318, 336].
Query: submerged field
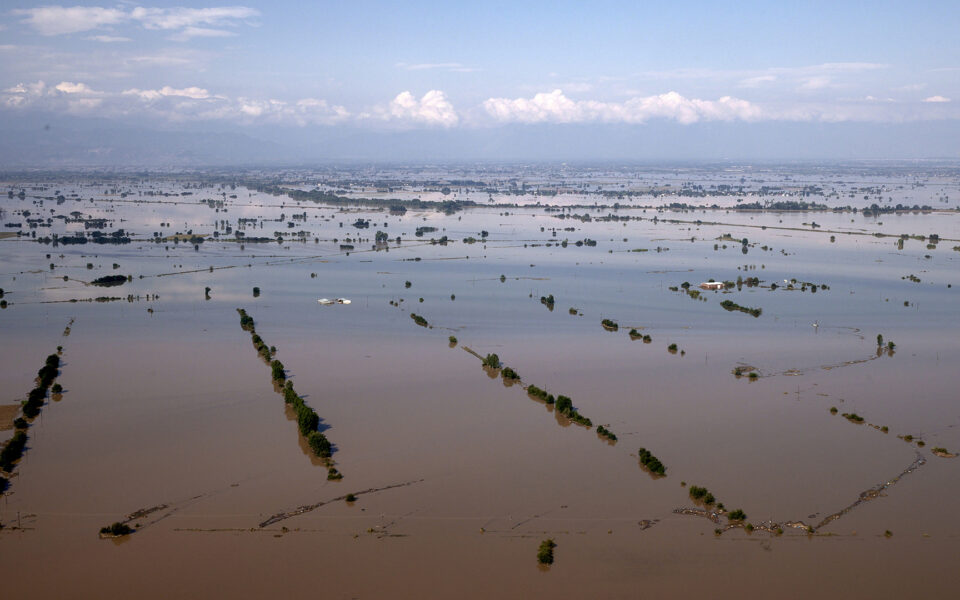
[169, 421]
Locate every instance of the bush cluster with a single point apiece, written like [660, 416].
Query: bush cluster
[604, 432]
[565, 407]
[509, 373]
[702, 494]
[12, 451]
[545, 552]
[116, 529]
[651, 462]
[535, 392]
[610, 325]
[730, 305]
[492, 361]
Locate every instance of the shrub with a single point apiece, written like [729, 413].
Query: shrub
[12, 450]
[737, 515]
[509, 373]
[453, 339]
[535, 392]
[307, 420]
[604, 432]
[609, 325]
[319, 444]
[278, 371]
[492, 361]
[545, 552]
[116, 529]
[57, 388]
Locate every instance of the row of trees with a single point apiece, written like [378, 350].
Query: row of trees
[308, 421]
[14, 448]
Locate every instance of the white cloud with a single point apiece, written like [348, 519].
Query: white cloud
[68, 87]
[182, 18]
[188, 23]
[815, 83]
[59, 20]
[432, 109]
[193, 32]
[170, 104]
[755, 82]
[555, 107]
[191, 92]
[108, 39]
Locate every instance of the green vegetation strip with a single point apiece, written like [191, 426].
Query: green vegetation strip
[307, 419]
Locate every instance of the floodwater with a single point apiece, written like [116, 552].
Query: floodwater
[166, 404]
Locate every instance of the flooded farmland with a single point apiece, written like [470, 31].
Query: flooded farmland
[812, 398]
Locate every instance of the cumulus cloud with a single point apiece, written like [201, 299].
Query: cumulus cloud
[187, 23]
[432, 109]
[169, 103]
[555, 107]
[68, 87]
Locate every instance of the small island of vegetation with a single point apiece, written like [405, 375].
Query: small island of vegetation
[651, 462]
[730, 305]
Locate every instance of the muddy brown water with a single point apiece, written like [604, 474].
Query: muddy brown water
[175, 408]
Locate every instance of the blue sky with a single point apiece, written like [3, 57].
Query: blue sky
[401, 66]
